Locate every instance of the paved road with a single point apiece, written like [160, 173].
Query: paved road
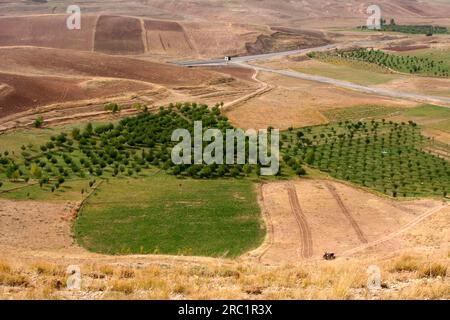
[244, 59]
[244, 62]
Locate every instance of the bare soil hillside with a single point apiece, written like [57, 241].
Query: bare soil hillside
[47, 31]
[155, 39]
[32, 77]
[321, 14]
[166, 37]
[23, 92]
[72, 63]
[118, 35]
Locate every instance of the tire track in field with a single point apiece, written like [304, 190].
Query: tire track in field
[269, 224]
[347, 213]
[144, 35]
[263, 89]
[94, 31]
[397, 233]
[305, 231]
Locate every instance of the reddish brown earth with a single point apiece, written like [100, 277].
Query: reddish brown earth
[32, 77]
[159, 39]
[63, 62]
[47, 31]
[119, 35]
[240, 73]
[36, 225]
[167, 37]
[22, 92]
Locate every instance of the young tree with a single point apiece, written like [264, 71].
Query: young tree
[38, 122]
[35, 171]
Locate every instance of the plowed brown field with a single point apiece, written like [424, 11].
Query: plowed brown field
[47, 31]
[32, 77]
[166, 37]
[119, 35]
[21, 92]
[45, 61]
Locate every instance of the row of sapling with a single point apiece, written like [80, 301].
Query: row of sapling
[382, 155]
[401, 63]
[126, 148]
[385, 156]
[392, 26]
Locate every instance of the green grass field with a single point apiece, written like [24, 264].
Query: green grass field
[426, 65]
[357, 72]
[428, 111]
[360, 112]
[433, 54]
[430, 116]
[166, 215]
[69, 191]
[433, 117]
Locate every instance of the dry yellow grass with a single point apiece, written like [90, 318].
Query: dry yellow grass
[404, 277]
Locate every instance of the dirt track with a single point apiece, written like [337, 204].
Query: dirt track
[306, 218]
[305, 231]
[347, 213]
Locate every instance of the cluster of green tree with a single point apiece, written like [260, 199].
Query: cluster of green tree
[384, 156]
[428, 30]
[113, 107]
[408, 64]
[132, 145]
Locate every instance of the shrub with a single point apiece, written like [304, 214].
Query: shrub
[433, 270]
[113, 107]
[300, 171]
[38, 122]
[406, 263]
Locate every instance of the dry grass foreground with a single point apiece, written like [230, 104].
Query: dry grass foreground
[404, 277]
[36, 248]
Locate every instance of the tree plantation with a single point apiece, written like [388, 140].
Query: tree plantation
[384, 156]
[411, 29]
[125, 149]
[407, 64]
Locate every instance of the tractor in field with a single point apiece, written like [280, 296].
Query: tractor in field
[329, 256]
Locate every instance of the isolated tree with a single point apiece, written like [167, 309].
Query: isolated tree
[38, 122]
[35, 171]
